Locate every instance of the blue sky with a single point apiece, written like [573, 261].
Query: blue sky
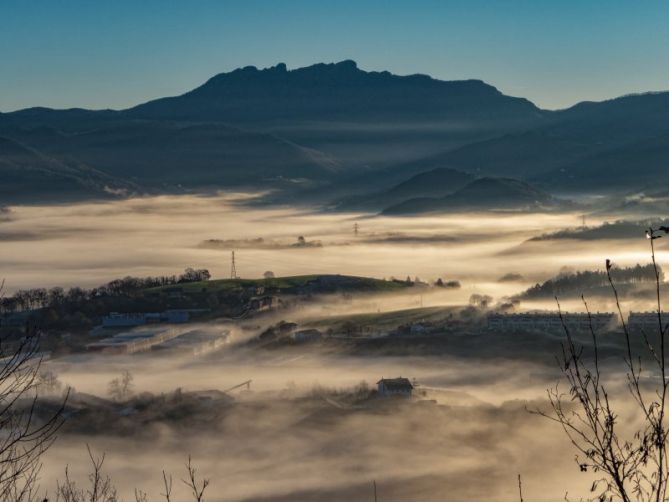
[116, 53]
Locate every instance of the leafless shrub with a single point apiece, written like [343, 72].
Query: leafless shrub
[100, 487]
[196, 487]
[121, 388]
[49, 383]
[167, 481]
[141, 496]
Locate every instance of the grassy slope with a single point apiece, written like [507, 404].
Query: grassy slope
[322, 283]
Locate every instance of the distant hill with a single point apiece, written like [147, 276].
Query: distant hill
[484, 194]
[26, 174]
[628, 167]
[71, 120]
[594, 283]
[523, 155]
[634, 116]
[299, 284]
[620, 144]
[621, 229]
[435, 183]
[165, 155]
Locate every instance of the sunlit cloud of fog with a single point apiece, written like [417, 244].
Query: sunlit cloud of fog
[283, 442]
[279, 444]
[87, 244]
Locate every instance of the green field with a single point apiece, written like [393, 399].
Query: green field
[291, 284]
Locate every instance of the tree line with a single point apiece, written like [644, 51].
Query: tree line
[38, 298]
[576, 282]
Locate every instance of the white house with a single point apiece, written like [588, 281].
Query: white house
[394, 387]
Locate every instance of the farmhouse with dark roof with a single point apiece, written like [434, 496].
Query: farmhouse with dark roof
[394, 387]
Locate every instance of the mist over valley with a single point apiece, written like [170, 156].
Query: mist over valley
[332, 281]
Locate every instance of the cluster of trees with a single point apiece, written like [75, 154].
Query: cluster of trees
[575, 283]
[408, 280]
[440, 283]
[619, 229]
[480, 301]
[303, 243]
[37, 298]
[121, 388]
[194, 275]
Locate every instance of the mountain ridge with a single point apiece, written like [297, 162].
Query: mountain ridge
[24, 170]
[351, 132]
[332, 91]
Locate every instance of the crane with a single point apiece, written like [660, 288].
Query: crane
[247, 384]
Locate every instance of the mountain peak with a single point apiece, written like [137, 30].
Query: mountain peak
[346, 64]
[336, 91]
[343, 67]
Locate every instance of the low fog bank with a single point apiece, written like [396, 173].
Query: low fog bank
[310, 448]
[310, 430]
[307, 427]
[277, 370]
[91, 243]
[310, 427]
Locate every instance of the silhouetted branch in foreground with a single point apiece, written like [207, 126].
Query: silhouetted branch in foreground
[24, 436]
[100, 486]
[197, 488]
[630, 465]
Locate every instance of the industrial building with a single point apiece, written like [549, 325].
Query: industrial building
[132, 341]
[307, 335]
[550, 321]
[127, 320]
[646, 321]
[195, 342]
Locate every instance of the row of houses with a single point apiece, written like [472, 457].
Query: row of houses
[576, 321]
[551, 321]
[646, 321]
[132, 341]
[131, 319]
[178, 316]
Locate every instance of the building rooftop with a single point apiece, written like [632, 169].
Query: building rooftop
[396, 383]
